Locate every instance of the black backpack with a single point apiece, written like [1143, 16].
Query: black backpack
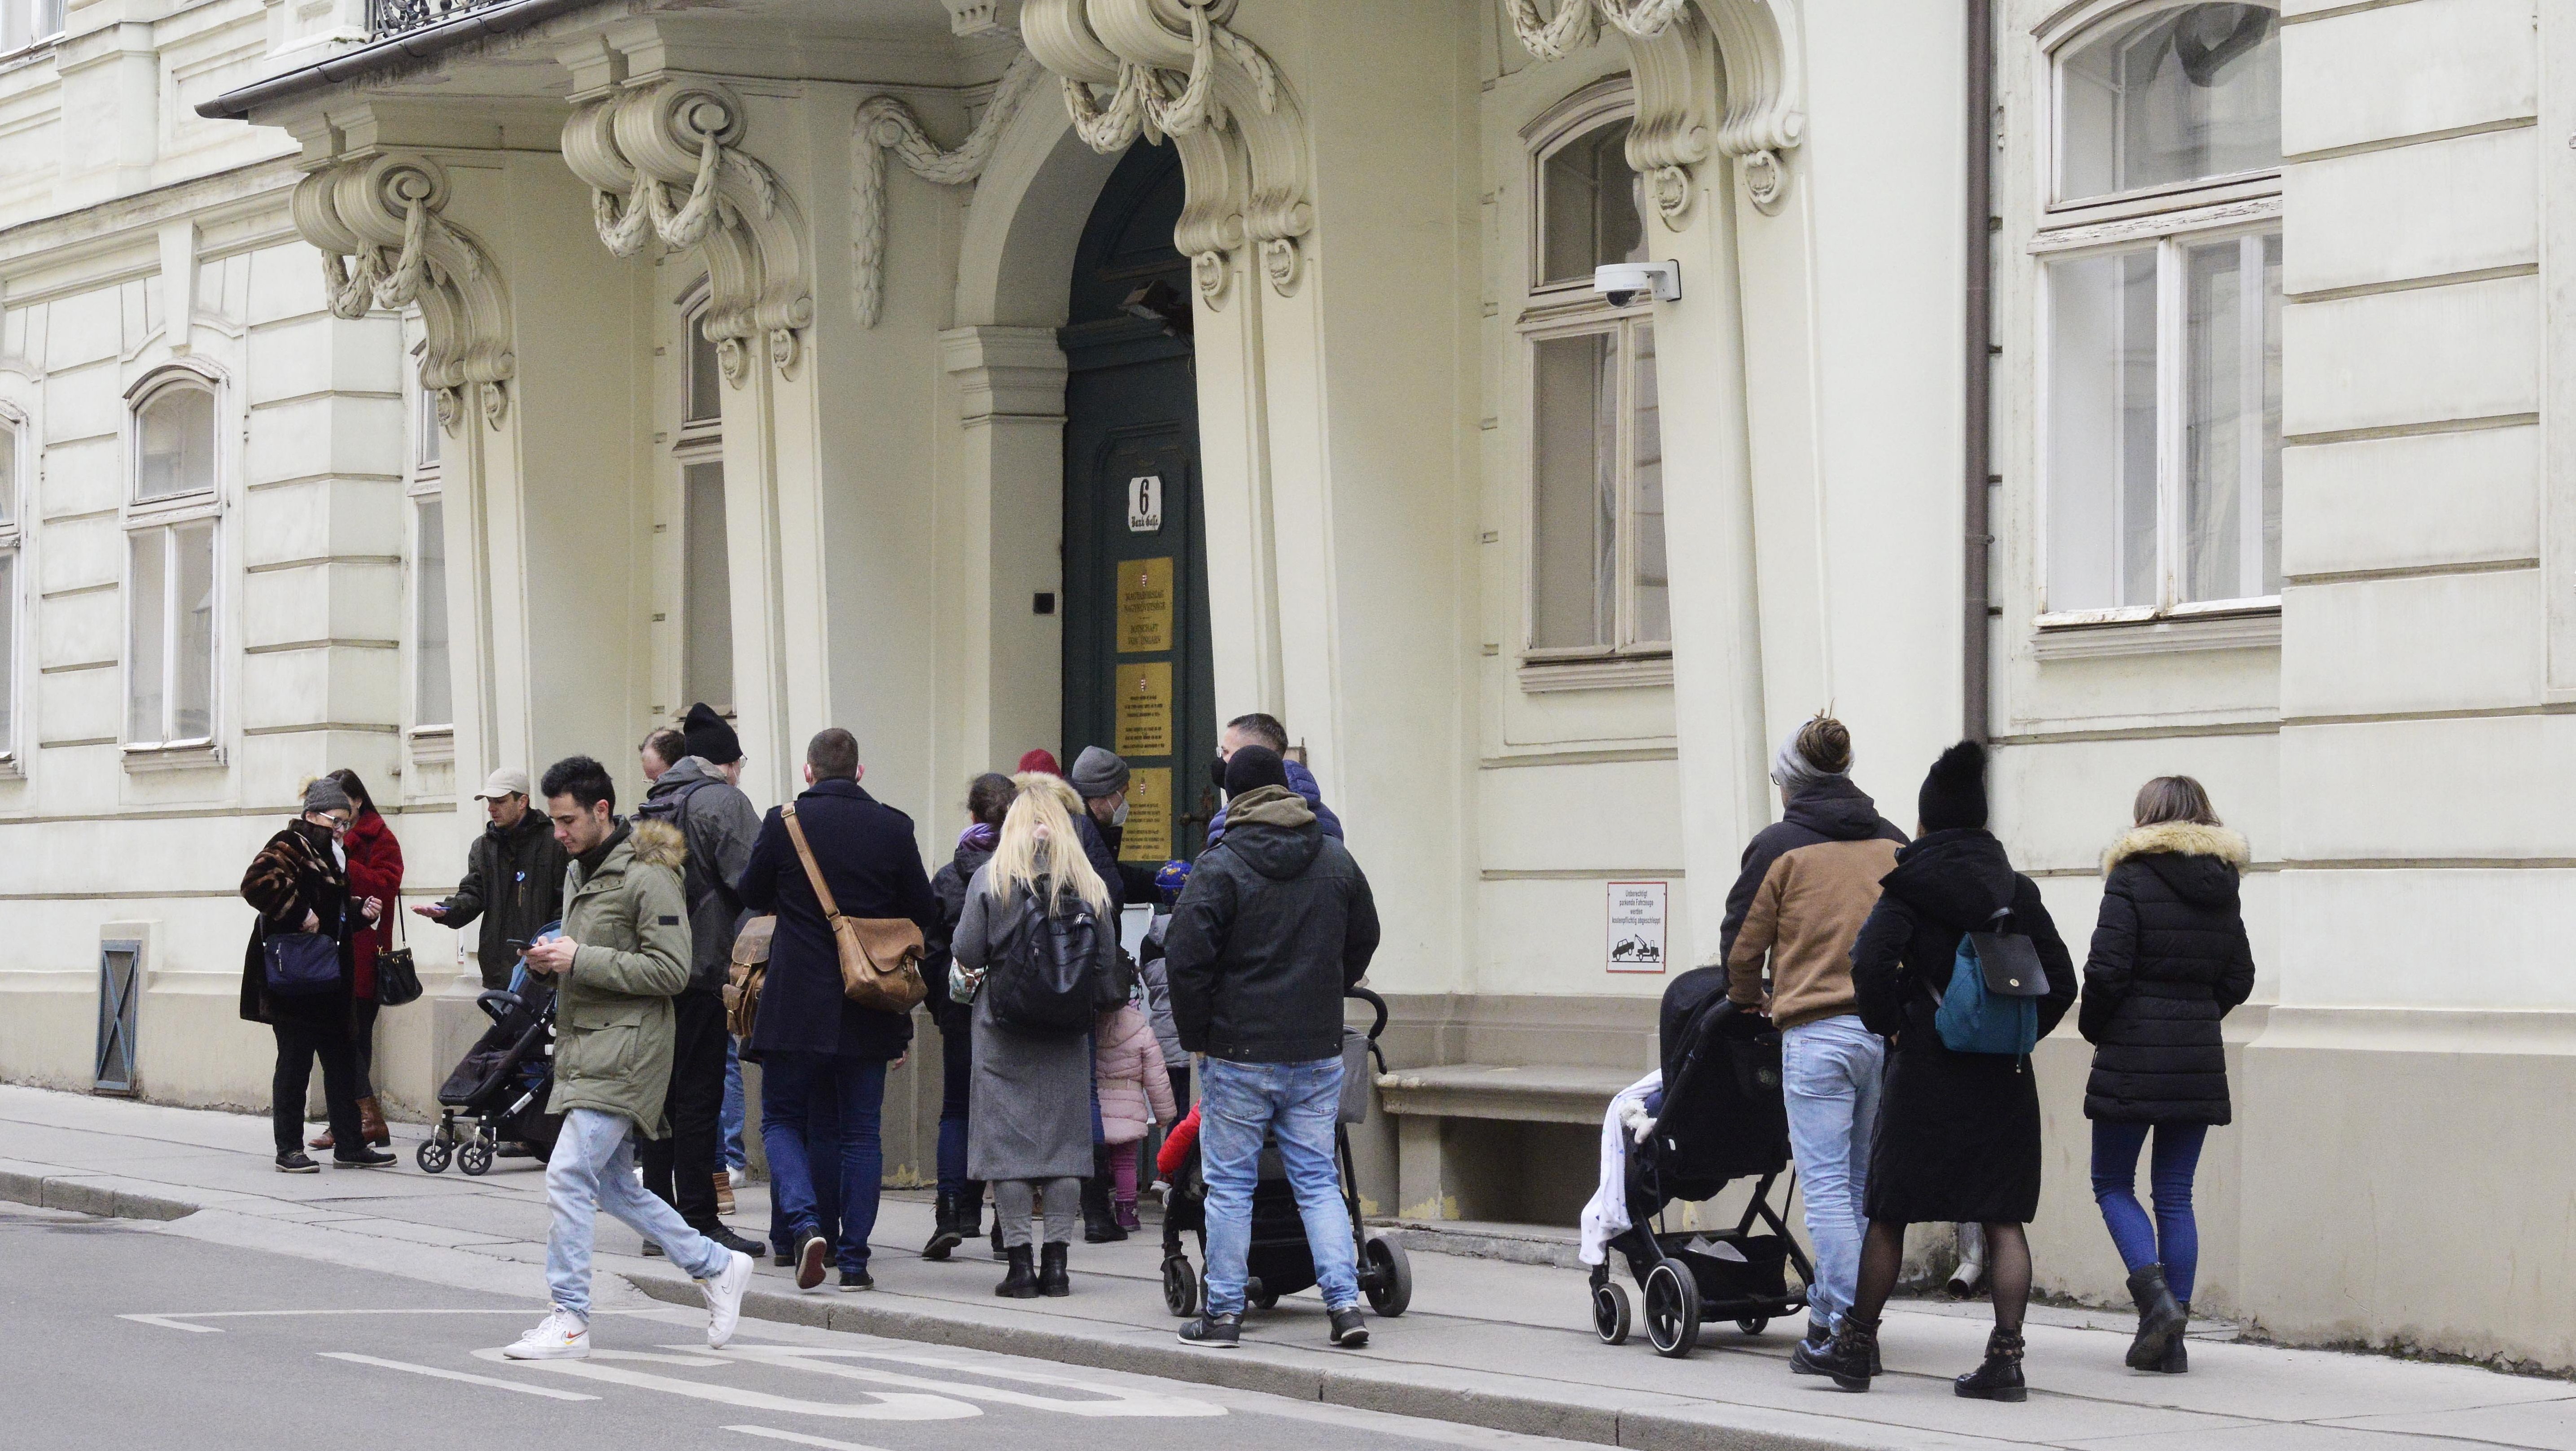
[1048, 980]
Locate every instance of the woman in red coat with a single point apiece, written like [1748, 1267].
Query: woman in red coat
[375, 877]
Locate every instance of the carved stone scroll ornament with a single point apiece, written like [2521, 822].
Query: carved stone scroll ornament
[385, 247]
[1757, 46]
[1176, 70]
[885, 124]
[634, 146]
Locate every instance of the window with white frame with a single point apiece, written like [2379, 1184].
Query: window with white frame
[16, 446]
[24, 23]
[433, 688]
[1597, 584]
[2163, 332]
[171, 583]
[706, 576]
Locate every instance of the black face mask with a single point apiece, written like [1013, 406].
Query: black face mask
[1216, 773]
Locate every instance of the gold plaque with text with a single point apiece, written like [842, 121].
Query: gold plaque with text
[1144, 590]
[1145, 709]
[1149, 816]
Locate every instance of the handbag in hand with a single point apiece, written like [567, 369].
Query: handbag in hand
[397, 976]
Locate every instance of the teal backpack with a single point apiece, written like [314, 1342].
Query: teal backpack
[1992, 1005]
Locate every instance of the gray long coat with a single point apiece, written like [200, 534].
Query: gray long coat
[1029, 1103]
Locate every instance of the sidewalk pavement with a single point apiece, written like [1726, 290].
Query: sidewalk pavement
[1488, 1343]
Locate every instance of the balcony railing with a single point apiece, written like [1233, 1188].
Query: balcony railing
[400, 17]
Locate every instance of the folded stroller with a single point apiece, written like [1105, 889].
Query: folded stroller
[501, 1085]
[1279, 1261]
[1721, 1118]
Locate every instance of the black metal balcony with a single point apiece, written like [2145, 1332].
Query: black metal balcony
[401, 17]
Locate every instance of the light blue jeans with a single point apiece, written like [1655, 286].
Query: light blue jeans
[593, 1168]
[1830, 1070]
[1297, 1102]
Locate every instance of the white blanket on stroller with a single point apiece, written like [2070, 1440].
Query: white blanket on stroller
[1606, 1217]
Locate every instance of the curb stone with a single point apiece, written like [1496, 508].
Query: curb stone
[1360, 1389]
[85, 1195]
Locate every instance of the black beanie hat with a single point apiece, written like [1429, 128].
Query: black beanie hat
[1954, 794]
[709, 738]
[1252, 768]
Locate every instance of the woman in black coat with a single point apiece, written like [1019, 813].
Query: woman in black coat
[298, 884]
[2169, 961]
[960, 1209]
[1958, 1132]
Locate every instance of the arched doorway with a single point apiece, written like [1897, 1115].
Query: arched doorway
[1139, 671]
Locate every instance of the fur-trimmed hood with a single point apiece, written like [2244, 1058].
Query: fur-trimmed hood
[2182, 838]
[660, 844]
[2201, 864]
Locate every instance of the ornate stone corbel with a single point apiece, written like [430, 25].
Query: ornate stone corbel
[1756, 45]
[376, 220]
[1176, 69]
[885, 124]
[633, 146]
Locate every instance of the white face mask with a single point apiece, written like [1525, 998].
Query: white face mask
[1118, 813]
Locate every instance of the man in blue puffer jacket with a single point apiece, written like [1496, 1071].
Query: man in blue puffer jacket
[1266, 731]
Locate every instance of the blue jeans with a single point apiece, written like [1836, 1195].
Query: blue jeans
[593, 1168]
[956, 1084]
[1830, 1072]
[729, 1118]
[1240, 1104]
[2173, 1240]
[789, 1085]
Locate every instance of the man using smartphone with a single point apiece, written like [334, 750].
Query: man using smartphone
[514, 879]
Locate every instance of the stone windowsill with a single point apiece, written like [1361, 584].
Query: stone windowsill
[186, 756]
[2163, 635]
[1542, 675]
[434, 746]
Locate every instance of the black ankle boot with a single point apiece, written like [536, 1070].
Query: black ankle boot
[1021, 1283]
[1852, 1358]
[1099, 1225]
[946, 1236]
[1999, 1379]
[1052, 1279]
[2160, 1320]
[2177, 1360]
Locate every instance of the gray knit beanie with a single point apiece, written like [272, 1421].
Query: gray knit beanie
[324, 795]
[1097, 773]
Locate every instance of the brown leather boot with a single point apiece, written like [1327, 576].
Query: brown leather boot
[321, 1140]
[724, 1192]
[371, 1124]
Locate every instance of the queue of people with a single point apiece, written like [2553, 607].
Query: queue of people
[1063, 1053]
[1909, 1091]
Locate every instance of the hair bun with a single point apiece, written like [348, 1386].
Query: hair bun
[1826, 743]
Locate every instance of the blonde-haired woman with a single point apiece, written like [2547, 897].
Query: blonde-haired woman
[1029, 1108]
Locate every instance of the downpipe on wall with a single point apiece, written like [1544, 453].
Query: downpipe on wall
[1977, 378]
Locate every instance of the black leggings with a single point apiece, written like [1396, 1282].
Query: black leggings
[298, 1044]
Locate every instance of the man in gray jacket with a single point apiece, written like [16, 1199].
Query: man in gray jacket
[698, 797]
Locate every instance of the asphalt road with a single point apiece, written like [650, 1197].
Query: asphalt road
[116, 1336]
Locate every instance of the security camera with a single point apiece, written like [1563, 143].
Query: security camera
[1621, 282]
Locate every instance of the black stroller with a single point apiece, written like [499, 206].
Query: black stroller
[1722, 1118]
[500, 1086]
[1279, 1261]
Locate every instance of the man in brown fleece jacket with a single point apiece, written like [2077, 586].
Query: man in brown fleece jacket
[1807, 885]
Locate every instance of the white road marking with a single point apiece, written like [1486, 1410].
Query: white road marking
[549, 1392]
[177, 1319]
[1111, 1402]
[800, 1438]
[881, 1406]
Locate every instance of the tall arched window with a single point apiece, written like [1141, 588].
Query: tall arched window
[706, 575]
[433, 682]
[172, 590]
[2163, 376]
[16, 447]
[1597, 584]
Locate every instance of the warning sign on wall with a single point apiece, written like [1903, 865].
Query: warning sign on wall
[1637, 926]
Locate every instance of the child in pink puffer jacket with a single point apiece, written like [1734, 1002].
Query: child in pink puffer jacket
[1128, 1063]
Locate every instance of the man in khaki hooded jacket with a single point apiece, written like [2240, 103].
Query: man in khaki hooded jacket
[623, 954]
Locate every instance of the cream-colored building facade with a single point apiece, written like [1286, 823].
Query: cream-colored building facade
[429, 387]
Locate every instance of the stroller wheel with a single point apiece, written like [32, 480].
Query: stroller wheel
[1754, 1324]
[1610, 1313]
[1180, 1287]
[474, 1157]
[1257, 1297]
[1672, 1309]
[433, 1155]
[1386, 1275]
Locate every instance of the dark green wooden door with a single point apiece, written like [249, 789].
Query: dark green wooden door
[1139, 674]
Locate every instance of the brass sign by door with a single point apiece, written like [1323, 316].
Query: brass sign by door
[1149, 815]
[1144, 593]
[1145, 710]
